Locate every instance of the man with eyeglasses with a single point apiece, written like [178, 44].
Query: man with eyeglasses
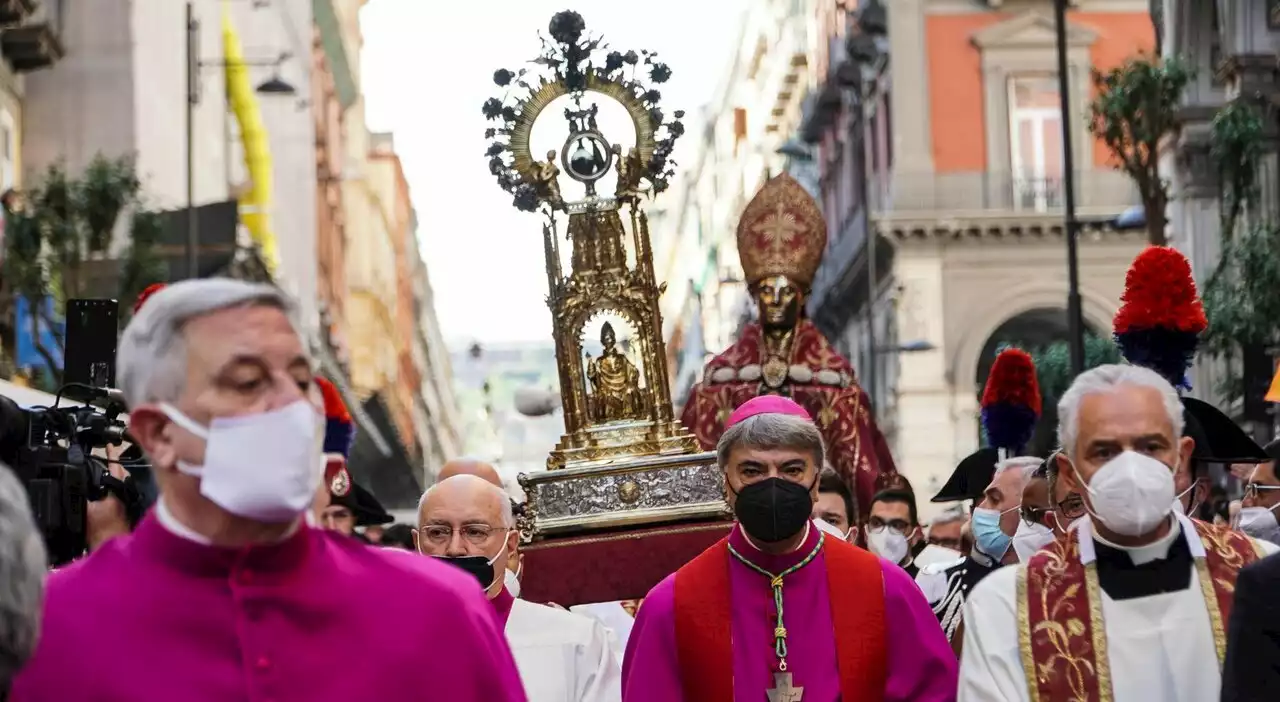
[1261, 498]
[894, 534]
[467, 522]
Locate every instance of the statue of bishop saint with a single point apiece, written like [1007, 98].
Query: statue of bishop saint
[781, 237]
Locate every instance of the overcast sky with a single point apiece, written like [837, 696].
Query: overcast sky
[428, 66]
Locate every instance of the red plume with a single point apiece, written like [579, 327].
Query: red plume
[1159, 293]
[1013, 380]
[334, 407]
[146, 295]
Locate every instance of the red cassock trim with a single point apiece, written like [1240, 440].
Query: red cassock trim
[703, 620]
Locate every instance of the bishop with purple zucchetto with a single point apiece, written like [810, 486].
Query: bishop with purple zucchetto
[777, 611]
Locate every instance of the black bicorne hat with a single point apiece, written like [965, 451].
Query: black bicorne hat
[363, 505]
[1218, 439]
[971, 477]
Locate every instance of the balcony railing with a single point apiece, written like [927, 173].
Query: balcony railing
[1097, 192]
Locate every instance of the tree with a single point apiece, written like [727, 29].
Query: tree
[1134, 110]
[58, 229]
[1240, 297]
[1235, 146]
[1053, 362]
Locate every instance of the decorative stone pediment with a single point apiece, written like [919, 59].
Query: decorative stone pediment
[1031, 29]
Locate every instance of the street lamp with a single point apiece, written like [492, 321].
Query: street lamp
[1075, 313]
[275, 85]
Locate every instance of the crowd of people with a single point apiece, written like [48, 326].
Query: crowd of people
[1113, 569]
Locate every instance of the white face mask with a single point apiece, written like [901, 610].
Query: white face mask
[265, 467]
[831, 529]
[512, 581]
[888, 544]
[1260, 523]
[1177, 500]
[1130, 494]
[1030, 538]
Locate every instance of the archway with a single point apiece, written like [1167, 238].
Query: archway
[1043, 333]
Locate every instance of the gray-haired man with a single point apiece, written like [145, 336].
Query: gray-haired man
[223, 593]
[700, 636]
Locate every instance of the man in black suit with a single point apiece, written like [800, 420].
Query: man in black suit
[1251, 672]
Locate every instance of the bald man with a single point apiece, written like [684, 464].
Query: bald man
[467, 521]
[470, 466]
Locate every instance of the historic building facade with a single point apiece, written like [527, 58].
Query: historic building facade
[751, 116]
[937, 131]
[1232, 48]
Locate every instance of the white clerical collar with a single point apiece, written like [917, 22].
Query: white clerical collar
[752, 544]
[177, 528]
[1157, 550]
[172, 524]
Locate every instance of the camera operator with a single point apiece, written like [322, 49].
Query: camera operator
[108, 517]
[223, 592]
[22, 573]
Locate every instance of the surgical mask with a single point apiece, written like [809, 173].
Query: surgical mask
[512, 580]
[479, 566]
[1131, 494]
[265, 467]
[1030, 538]
[773, 509]
[888, 543]
[987, 534]
[1260, 523]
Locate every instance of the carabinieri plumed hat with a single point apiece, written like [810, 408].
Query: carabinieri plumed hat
[1011, 406]
[1158, 327]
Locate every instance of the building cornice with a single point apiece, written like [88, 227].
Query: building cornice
[908, 230]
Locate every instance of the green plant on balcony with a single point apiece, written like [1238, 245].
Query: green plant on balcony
[1135, 107]
[57, 230]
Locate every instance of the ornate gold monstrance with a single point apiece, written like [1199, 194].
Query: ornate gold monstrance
[624, 459]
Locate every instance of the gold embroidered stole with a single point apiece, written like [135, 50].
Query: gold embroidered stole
[1061, 633]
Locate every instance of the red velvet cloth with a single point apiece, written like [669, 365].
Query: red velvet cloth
[855, 446]
[623, 565]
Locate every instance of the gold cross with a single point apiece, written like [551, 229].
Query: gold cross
[778, 229]
[782, 690]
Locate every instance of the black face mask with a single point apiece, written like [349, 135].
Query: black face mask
[478, 566]
[773, 509]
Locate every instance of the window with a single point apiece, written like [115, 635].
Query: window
[1035, 142]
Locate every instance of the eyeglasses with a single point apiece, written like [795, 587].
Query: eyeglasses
[1251, 490]
[474, 534]
[899, 525]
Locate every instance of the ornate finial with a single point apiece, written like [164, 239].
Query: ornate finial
[782, 232]
[576, 63]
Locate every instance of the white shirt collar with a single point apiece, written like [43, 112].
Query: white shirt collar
[177, 528]
[171, 524]
[1182, 527]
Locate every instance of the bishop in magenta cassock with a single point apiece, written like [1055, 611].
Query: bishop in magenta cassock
[224, 594]
[777, 611]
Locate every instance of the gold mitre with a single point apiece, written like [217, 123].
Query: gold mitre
[781, 232]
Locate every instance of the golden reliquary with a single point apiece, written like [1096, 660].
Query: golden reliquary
[624, 460]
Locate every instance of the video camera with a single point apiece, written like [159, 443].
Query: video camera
[50, 448]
